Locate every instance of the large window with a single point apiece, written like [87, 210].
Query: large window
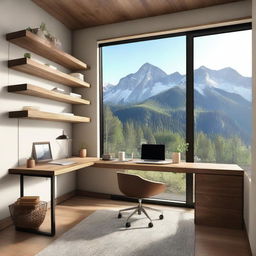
[223, 95]
[193, 87]
[144, 101]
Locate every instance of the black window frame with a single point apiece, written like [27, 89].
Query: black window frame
[190, 35]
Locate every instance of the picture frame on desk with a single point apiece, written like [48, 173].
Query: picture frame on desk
[42, 152]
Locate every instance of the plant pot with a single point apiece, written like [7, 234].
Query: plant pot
[57, 43]
[41, 34]
[176, 157]
[31, 163]
[83, 152]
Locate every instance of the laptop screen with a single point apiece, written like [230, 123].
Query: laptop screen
[153, 151]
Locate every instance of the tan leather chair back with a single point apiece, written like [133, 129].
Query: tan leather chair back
[135, 186]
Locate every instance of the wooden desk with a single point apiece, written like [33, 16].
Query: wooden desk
[50, 171]
[47, 169]
[218, 187]
[183, 167]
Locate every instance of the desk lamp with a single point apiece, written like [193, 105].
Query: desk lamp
[64, 136]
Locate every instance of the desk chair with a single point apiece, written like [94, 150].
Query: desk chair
[137, 187]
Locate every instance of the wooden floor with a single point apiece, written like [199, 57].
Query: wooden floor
[208, 241]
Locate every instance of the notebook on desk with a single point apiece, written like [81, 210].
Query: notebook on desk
[153, 154]
[62, 162]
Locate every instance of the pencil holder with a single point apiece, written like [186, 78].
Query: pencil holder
[31, 163]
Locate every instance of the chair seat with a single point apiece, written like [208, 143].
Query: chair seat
[137, 187]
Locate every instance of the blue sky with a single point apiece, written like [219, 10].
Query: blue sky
[232, 49]
[169, 54]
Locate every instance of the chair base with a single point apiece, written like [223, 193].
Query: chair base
[140, 209]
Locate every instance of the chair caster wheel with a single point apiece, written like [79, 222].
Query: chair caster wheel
[161, 217]
[127, 224]
[119, 216]
[150, 224]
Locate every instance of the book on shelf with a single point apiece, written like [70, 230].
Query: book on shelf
[59, 90]
[31, 108]
[76, 95]
[77, 75]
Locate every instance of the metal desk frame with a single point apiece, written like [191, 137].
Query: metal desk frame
[53, 224]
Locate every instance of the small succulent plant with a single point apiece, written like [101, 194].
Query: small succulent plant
[182, 147]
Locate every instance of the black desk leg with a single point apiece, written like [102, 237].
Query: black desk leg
[53, 224]
[21, 185]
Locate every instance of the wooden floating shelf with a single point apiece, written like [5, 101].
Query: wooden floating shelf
[35, 68]
[40, 115]
[43, 47]
[33, 90]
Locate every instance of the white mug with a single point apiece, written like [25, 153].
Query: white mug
[121, 156]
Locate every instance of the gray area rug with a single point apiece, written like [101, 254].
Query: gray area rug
[103, 234]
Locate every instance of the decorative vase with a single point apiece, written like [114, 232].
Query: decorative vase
[41, 34]
[57, 43]
[31, 163]
[176, 157]
[83, 152]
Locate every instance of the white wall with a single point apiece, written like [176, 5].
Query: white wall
[85, 48]
[16, 139]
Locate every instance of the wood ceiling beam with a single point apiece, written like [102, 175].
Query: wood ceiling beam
[78, 14]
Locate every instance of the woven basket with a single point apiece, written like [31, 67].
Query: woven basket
[27, 216]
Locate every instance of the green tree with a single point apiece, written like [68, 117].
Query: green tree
[148, 134]
[232, 150]
[129, 137]
[204, 148]
[222, 149]
[139, 139]
[113, 132]
[170, 140]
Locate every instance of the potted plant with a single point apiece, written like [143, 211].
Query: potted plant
[176, 156]
[32, 30]
[42, 31]
[27, 55]
[82, 151]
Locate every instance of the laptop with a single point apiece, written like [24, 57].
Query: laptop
[152, 154]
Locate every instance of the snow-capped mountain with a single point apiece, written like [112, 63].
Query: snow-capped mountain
[150, 80]
[136, 87]
[226, 79]
[107, 86]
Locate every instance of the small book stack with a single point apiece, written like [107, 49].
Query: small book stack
[76, 95]
[28, 201]
[60, 90]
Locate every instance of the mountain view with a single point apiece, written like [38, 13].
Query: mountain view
[222, 100]
[150, 80]
[149, 106]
